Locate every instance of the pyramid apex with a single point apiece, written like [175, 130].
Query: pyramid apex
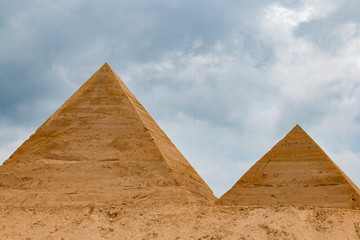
[297, 128]
[105, 68]
[297, 132]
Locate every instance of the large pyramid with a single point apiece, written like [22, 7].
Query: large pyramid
[101, 145]
[296, 171]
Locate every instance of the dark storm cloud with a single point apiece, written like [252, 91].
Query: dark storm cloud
[40, 35]
[43, 34]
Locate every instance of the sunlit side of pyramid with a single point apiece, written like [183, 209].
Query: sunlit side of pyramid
[296, 171]
[101, 145]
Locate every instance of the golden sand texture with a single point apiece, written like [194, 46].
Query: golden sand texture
[100, 146]
[181, 222]
[296, 171]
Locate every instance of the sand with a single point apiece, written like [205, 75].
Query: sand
[296, 171]
[192, 221]
[101, 145]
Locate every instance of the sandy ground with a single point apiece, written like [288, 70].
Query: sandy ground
[193, 221]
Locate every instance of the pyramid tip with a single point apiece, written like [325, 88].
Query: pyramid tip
[297, 128]
[105, 68]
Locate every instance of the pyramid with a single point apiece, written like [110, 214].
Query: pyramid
[296, 171]
[101, 145]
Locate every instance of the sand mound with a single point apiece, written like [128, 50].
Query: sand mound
[178, 222]
[296, 171]
[100, 146]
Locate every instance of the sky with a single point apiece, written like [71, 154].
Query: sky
[225, 80]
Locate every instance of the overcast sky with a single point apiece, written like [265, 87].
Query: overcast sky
[225, 80]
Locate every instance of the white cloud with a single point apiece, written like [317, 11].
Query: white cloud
[277, 15]
[222, 93]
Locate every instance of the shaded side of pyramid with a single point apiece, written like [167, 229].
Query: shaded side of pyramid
[101, 144]
[296, 171]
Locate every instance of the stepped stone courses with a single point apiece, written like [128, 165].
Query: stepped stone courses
[100, 146]
[296, 171]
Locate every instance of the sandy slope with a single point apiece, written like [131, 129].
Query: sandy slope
[155, 221]
[296, 171]
[100, 145]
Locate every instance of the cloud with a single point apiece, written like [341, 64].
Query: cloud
[225, 81]
[226, 89]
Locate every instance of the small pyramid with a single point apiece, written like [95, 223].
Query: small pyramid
[101, 145]
[296, 171]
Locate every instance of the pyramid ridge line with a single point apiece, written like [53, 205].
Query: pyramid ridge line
[336, 166]
[129, 95]
[133, 102]
[127, 92]
[82, 88]
[119, 81]
[355, 187]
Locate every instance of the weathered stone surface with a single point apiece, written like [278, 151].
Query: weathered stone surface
[296, 171]
[100, 146]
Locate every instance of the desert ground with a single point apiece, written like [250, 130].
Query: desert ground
[173, 221]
